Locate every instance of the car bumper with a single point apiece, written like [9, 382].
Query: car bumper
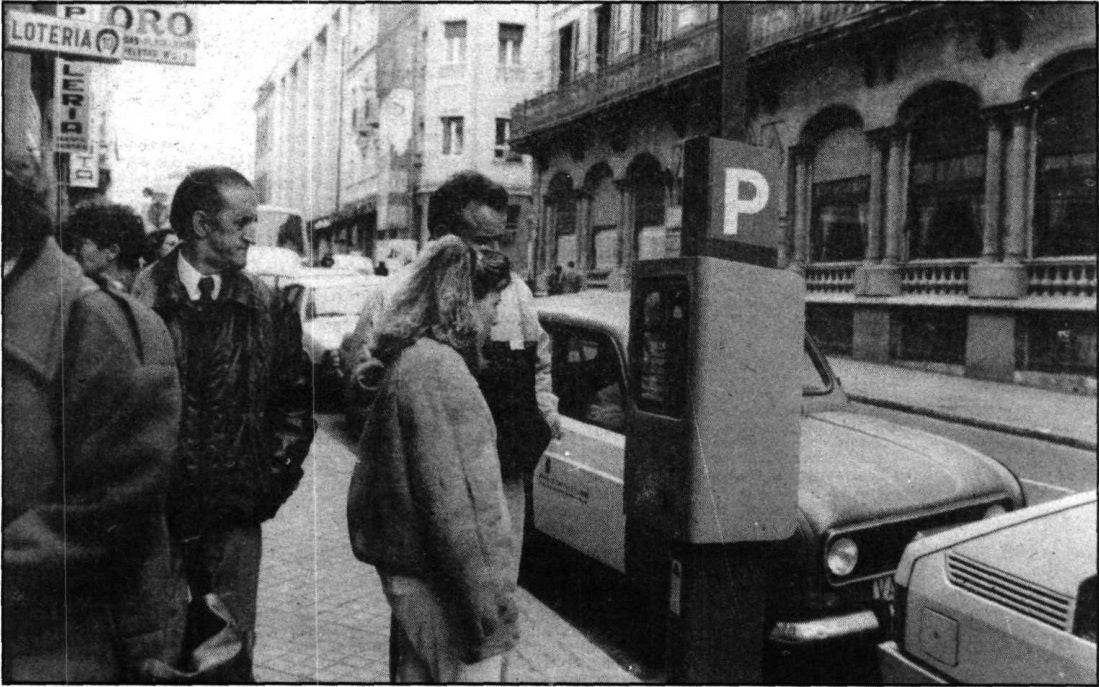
[807, 633]
[898, 669]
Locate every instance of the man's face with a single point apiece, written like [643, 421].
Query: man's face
[480, 218]
[230, 231]
[93, 259]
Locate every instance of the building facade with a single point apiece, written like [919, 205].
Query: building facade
[939, 160]
[421, 91]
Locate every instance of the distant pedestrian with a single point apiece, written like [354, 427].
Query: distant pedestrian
[248, 399]
[91, 405]
[109, 240]
[426, 505]
[380, 269]
[158, 244]
[572, 281]
[555, 282]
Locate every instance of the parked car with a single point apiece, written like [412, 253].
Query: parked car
[328, 302]
[867, 486]
[1006, 600]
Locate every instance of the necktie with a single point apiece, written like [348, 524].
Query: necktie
[206, 290]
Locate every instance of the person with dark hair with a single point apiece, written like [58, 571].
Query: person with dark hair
[248, 399]
[516, 382]
[91, 411]
[426, 505]
[158, 244]
[109, 240]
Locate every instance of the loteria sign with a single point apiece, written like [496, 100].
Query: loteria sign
[31, 32]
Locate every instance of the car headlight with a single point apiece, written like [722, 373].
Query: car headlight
[843, 556]
[993, 511]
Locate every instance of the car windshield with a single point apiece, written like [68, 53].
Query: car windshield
[336, 300]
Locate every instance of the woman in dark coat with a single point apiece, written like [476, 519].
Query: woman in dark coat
[426, 505]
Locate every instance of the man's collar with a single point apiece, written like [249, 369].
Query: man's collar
[189, 276]
[170, 290]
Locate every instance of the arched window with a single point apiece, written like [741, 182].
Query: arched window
[946, 179]
[841, 196]
[647, 179]
[561, 198]
[1065, 195]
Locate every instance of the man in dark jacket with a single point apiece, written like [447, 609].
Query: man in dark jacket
[247, 394]
[91, 412]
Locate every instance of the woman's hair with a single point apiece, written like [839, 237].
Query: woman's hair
[153, 241]
[437, 299]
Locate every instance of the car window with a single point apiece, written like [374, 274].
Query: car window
[335, 300]
[587, 377]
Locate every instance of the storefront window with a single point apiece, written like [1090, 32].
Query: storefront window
[1065, 196]
[946, 182]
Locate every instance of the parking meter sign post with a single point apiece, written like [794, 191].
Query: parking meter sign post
[712, 445]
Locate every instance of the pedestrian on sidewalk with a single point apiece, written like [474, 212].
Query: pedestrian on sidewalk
[91, 410]
[109, 239]
[555, 284]
[516, 379]
[247, 394]
[572, 281]
[426, 504]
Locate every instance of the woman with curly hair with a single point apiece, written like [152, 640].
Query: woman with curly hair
[426, 505]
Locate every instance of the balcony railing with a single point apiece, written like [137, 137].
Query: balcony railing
[1054, 277]
[830, 277]
[777, 23]
[935, 277]
[687, 54]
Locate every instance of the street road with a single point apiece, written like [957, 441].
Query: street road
[322, 616]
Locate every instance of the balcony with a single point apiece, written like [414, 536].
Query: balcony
[675, 59]
[779, 24]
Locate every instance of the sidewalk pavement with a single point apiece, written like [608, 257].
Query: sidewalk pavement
[1063, 418]
[322, 616]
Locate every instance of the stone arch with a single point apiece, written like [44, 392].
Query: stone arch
[828, 120]
[933, 95]
[1060, 67]
[601, 243]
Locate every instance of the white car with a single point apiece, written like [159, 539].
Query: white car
[328, 302]
[1005, 600]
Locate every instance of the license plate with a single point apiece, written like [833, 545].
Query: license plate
[884, 590]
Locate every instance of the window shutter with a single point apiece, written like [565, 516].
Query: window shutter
[623, 27]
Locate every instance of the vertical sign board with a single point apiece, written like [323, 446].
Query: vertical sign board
[167, 34]
[72, 117]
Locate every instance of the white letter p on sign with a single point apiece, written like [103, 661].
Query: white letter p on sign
[734, 205]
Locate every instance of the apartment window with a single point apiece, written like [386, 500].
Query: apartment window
[650, 25]
[602, 36]
[511, 45]
[566, 51]
[503, 133]
[452, 135]
[454, 33]
[841, 196]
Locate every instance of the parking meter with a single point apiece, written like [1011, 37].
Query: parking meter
[712, 442]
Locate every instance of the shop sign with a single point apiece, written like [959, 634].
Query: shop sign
[167, 34]
[72, 119]
[31, 32]
[84, 170]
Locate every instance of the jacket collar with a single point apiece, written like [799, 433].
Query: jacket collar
[36, 303]
[236, 286]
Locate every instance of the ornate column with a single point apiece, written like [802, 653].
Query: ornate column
[878, 277]
[801, 157]
[619, 279]
[990, 250]
[895, 194]
[1006, 202]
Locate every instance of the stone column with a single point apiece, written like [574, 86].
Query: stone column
[619, 279]
[584, 257]
[1015, 183]
[895, 194]
[878, 277]
[801, 156]
[990, 251]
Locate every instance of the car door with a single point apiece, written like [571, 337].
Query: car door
[577, 487]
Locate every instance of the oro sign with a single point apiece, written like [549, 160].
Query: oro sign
[167, 34]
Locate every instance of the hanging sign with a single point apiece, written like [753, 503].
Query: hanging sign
[167, 34]
[84, 170]
[32, 32]
[72, 118]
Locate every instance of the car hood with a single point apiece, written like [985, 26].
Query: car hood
[1057, 551]
[326, 333]
[856, 468]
